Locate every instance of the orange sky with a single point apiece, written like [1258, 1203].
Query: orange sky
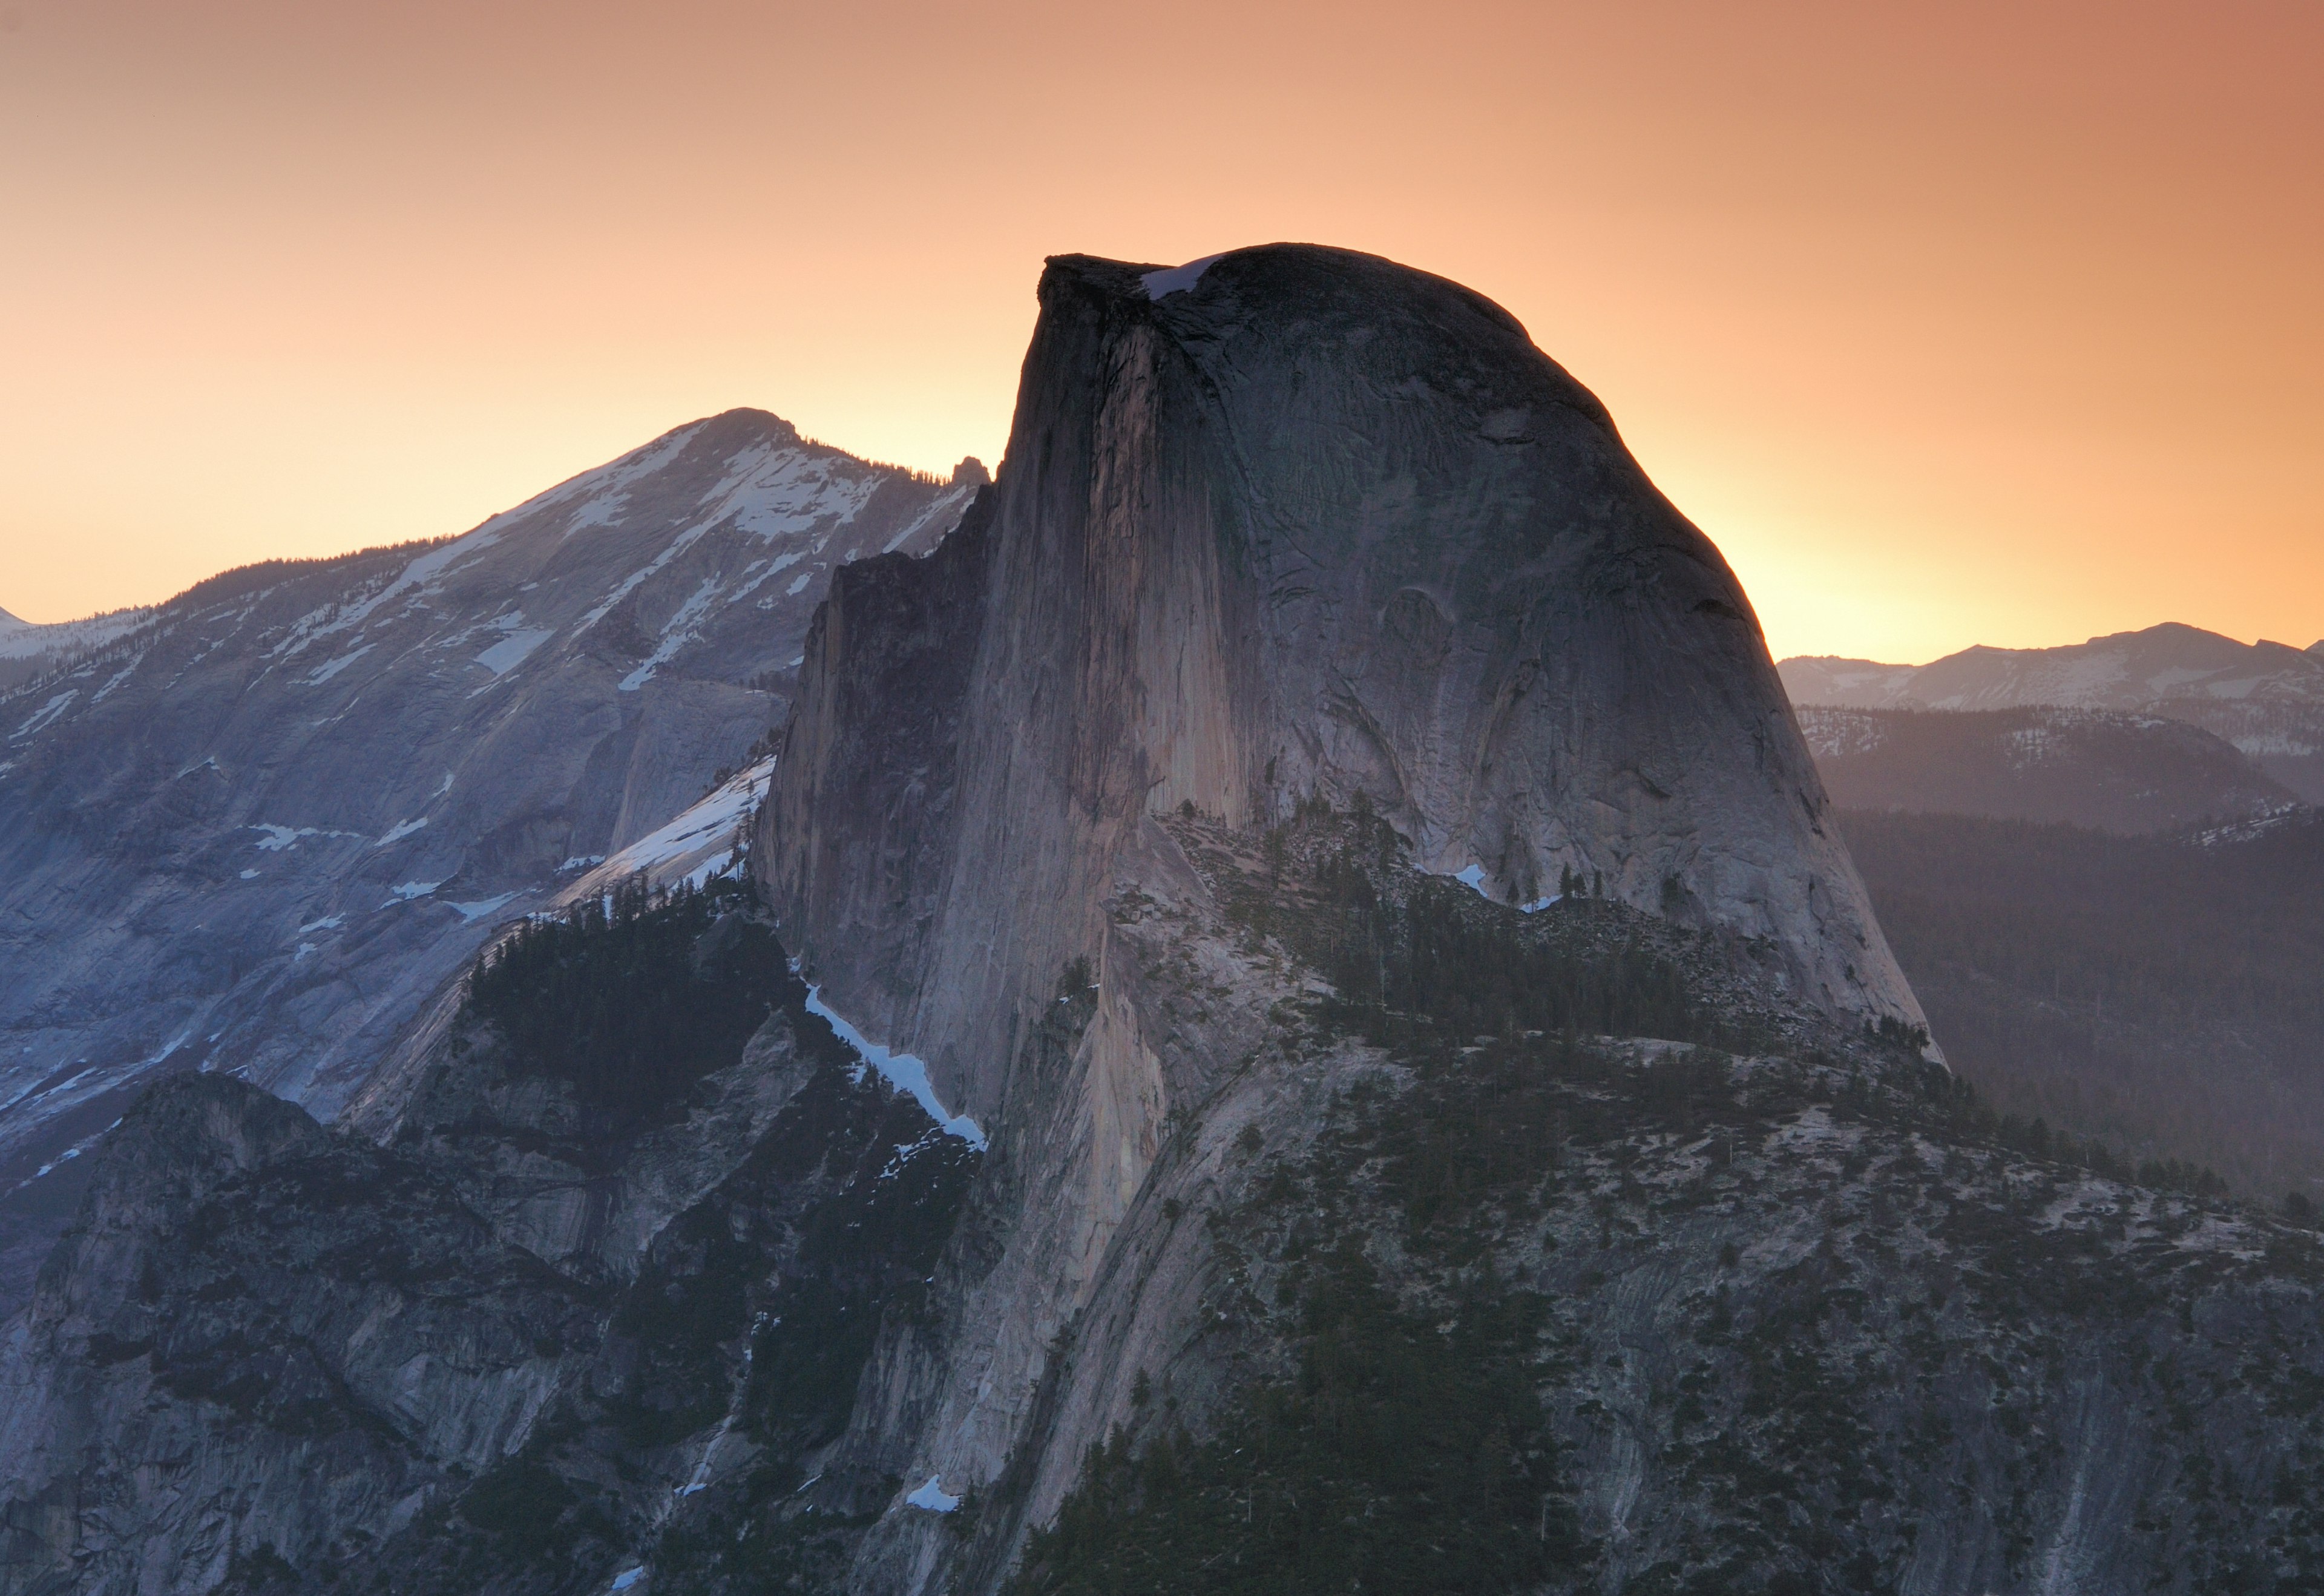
[1952, 324]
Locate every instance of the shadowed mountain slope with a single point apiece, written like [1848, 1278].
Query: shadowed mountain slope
[255, 828]
[2159, 992]
[2116, 772]
[2266, 698]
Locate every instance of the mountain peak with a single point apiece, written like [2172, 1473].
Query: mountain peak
[744, 424]
[1311, 527]
[2167, 632]
[2266, 698]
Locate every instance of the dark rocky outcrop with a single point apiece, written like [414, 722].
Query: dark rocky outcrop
[259, 1333]
[495, 1353]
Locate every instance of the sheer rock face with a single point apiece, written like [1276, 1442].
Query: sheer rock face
[1314, 524]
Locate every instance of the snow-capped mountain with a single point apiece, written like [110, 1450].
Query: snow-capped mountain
[253, 828]
[2267, 698]
[28, 651]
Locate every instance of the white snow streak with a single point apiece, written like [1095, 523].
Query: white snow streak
[679, 631]
[905, 1073]
[323, 673]
[46, 714]
[511, 652]
[933, 1498]
[482, 907]
[1174, 280]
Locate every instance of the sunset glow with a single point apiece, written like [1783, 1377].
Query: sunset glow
[1985, 323]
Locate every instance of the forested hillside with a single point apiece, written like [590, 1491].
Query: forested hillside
[2164, 992]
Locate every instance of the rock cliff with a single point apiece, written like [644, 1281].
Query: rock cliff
[1417, 1096]
[1293, 531]
[1298, 523]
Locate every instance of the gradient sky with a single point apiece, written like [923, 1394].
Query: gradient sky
[1965, 323]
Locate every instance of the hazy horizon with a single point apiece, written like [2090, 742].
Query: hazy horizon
[8, 615]
[1995, 329]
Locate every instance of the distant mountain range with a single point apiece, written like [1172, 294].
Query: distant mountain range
[2267, 698]
[255, 828]
[2154, 987]
[2087, 767]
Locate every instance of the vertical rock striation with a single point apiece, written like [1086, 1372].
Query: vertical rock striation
[1299, 522]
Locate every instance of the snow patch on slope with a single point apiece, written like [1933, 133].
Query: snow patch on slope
[512, 650]
[681, 630]
[703, 840]
[902, 1071]
[1174, 280]
[46, 714]
[323, 673]
[25, 639]
[933, 1497]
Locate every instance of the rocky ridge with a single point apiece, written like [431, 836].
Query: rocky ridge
[2267, 698]
[258, 829]
[2117, 772]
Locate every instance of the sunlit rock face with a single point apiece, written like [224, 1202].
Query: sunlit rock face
[1291, 531]
[1298, 522]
